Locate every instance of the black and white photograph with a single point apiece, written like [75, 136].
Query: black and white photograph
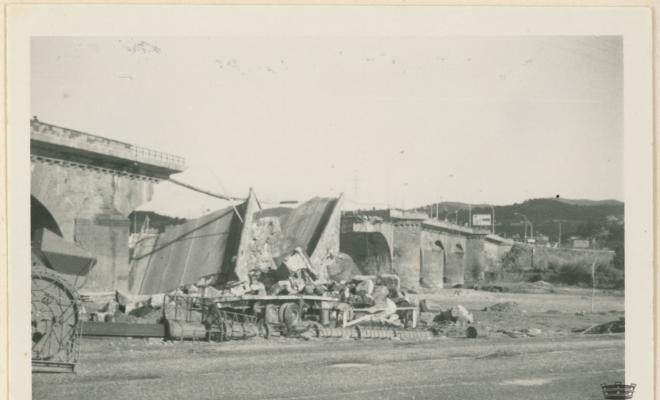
[331, 202]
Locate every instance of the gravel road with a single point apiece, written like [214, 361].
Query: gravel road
[489, 368]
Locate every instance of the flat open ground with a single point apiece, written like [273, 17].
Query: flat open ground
[555, 314]
[556, 365]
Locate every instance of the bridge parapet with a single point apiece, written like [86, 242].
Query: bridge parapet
[56, 142]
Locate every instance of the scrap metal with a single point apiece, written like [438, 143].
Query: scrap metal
[56, 308]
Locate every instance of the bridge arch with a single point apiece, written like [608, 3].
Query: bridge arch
[455, 267]
[369, 250]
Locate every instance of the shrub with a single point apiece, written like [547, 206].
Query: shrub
[607, 276]
[610, 277]
[574, 274]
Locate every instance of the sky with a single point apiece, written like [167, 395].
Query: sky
[387, 121]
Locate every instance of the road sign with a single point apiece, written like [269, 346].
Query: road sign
[481, 220]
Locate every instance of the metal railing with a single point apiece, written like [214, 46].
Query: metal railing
[137, 153]
[142, 153]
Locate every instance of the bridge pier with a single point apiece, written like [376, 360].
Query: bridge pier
[89, 185]
[423, 252]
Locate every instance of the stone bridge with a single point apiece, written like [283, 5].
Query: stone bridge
[421, 251]
[83, 187]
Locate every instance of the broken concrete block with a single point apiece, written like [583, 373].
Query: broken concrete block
[462, 315]
[380, 293]
[360, 278]
[130, 302]
[340, 266]
[309, 289]
[156, 301]
[191, 290]
[532, 332]
[211, 292]
[365, 287]
[256, 288]
[298, 261]
[208, 280]
[393, 282]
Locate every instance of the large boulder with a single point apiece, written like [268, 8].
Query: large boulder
[340, 267]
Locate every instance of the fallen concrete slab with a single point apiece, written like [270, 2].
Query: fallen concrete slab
[185, 253]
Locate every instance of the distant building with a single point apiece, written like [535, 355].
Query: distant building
[542, 239]
[579, 243]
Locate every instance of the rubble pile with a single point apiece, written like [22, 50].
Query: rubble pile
[285, 297]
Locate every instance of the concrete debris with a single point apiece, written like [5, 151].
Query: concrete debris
[532, 332]
[521, 333]
[209, 280]
[461, 315]
[142, 315]
[129, 302]
[391, 281]
[513, 334]
[381, 314]
[457, 314]
[106, 313]
[618, 326]
[340, 266]
[298, 263]
[508, 306]
[360, 278]
[365, 287]
[156, 301]
[380, 294]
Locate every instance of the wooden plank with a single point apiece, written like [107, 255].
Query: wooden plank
[91, 328]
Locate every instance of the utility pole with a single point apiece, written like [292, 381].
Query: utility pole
[492, 221]
[593, 284]
[559, 235]
[355, 186]
[470, 215]
[455, 216]
[525, 223]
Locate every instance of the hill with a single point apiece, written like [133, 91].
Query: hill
[601, 220]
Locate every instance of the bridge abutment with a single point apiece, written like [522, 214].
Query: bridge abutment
[89, 185]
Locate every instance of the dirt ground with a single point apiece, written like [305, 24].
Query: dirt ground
[553, 363]
[554, 314]
[570, 367]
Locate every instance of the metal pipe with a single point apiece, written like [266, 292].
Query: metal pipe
[206, 192]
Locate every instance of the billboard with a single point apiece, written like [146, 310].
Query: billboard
[481, 220]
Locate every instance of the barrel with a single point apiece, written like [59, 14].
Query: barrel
[180, 330]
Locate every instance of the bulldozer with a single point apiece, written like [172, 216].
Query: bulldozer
[58, 271]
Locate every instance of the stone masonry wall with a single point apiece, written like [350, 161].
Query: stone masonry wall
[91, 207]
[407, 253]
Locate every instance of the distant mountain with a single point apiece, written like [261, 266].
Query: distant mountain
[585, 202]
[586, 218]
